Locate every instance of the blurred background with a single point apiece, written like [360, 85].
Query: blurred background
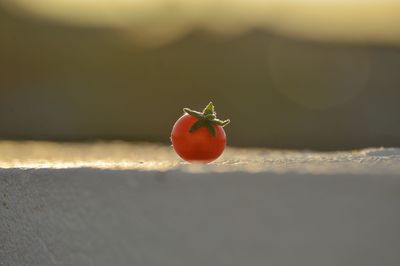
[293, 74]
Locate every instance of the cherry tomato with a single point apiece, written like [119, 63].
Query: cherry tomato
[199, 137]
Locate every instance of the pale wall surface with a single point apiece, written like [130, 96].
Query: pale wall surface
[125, 204]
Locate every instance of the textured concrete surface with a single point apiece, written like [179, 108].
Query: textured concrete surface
[125, 204]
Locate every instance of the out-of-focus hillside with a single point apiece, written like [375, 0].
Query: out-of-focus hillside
[62, 81]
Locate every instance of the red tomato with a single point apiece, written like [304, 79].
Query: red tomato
[201, 144]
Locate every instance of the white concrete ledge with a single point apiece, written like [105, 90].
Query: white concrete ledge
[206, 215]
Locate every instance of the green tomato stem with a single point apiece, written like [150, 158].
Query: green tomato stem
[207, 118]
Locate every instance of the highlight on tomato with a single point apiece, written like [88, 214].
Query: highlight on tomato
[199, 136]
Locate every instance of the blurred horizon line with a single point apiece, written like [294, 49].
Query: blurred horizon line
[154, 23]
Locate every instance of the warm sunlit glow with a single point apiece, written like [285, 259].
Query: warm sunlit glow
[156, 157]
[112, 155]
[163, 20]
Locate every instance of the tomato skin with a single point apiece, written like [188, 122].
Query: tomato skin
[199, 145]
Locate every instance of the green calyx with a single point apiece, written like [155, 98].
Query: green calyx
[207, 119]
